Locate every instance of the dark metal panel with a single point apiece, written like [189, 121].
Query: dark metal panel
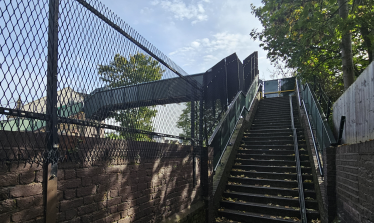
[241, 76]
[287, 84]
[271, 86]
[233, 84]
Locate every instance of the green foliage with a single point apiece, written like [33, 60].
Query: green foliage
[210, 120]
[306, 36]
[184, 122]
[122, 71]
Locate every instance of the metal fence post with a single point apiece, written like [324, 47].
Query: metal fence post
[51, 152]
[193, 136]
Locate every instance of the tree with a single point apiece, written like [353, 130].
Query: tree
[211, 118]
[307, 37]
[346, 47]
[122, 71]
[184, 122]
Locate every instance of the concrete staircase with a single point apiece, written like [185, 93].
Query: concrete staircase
[263, 186]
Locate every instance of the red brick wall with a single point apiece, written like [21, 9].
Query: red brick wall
[349, 177]
[147, 189]
[355, 182]
[129, 192]
[21, 198]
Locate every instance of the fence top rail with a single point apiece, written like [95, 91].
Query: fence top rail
[327, 130]
[124, 29]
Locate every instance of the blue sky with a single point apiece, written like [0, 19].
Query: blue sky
[195, 34]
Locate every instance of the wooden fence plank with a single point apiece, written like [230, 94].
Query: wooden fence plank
[357, 104]
[371, 101]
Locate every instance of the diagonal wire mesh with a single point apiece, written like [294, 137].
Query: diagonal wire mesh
[23, 57]
[79, 84]
[113, 87]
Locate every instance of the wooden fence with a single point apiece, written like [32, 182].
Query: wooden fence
[357, 104]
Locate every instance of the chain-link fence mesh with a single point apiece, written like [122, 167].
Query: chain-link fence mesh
[79, 84]
[79, 79]
[23, 68]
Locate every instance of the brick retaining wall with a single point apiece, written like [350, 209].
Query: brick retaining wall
[355, 182]
[143, 190]
[21, 198]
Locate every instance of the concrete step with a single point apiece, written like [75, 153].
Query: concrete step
[271, 169]
[248, 138]
[268, 175]
[253, 145]
[270, 182]
[272, 147]
[278, 125]
[279, 200]
[265, 109]
[290, 157]
[240, 216]
[260, 208]
[272, 127]
[284, 122]
[272, 131]
[265, 209]
[275, 200]
[278, 163]
[289, 133]
[273, 115]
[270, 152]
[274, 119]
[269, 142]
[293, 192]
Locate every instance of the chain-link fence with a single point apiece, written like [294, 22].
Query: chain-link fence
[80, 83]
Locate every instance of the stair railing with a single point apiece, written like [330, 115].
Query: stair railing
[298, 169]
[223, 132]
[301, 103]
[323, 136]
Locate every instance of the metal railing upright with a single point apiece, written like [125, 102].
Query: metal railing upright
[224, 130]
[322, 135]
[298, 169]
[302, 103]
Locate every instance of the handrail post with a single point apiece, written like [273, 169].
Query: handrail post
[298, 169]
[341, 128]
[193, 137]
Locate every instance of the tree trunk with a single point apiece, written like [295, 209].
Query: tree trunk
[365, 36]
[346, 47]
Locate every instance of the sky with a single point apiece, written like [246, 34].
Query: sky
[195, 34]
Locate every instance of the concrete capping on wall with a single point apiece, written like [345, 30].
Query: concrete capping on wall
[223, 171]
[356, 104]
[317, 178]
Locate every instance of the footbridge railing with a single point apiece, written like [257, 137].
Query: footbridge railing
[236, 110]
[322, 135]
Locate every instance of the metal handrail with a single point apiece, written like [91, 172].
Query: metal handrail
[298, 169]
[236, 123]
[320, 168]
[332, 141]
[298, 91]
[227, 112]
[232, 132]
